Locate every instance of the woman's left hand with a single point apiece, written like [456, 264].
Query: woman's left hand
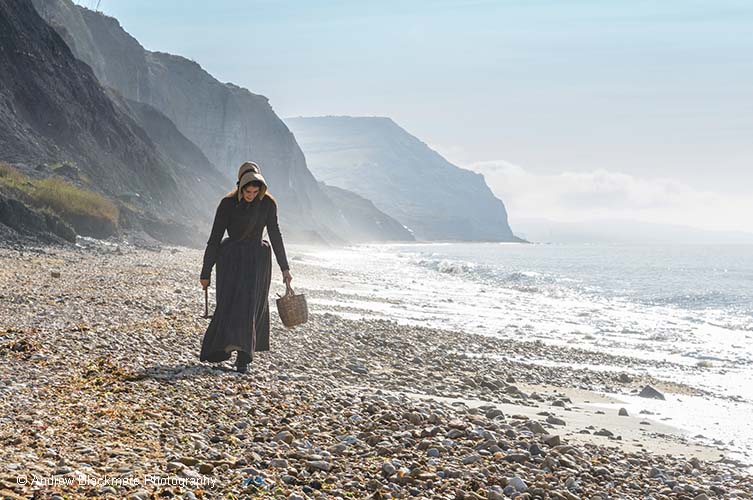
[286, 278]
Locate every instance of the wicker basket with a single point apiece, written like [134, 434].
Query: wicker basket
[292, 308]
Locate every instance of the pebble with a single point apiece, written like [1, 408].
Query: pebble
[302, 421]
[551, 419]
[471, 459]
[518, 484]
[190, 461]
[494, 413]
[519, 458]
[650, 392]
[536, 427]
[285, 437]
[552, 440]
[495, 493]
[319, 465]
[388, 469]
[655, 472]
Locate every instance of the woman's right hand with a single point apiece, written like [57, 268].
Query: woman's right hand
[204, 283]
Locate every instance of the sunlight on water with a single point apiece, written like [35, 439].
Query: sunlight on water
[688, 310]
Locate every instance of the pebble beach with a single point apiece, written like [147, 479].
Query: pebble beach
[102, 396]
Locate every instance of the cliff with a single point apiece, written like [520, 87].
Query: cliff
[53, 110]
[365, 221]
[228, 123]
[380, 161]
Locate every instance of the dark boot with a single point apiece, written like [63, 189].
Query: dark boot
[241, 361]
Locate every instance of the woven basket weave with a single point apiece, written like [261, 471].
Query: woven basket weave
[292, 308]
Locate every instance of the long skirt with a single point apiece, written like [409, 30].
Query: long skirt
[241, 316]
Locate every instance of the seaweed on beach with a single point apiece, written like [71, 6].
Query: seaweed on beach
[103, 371]
[22, 348]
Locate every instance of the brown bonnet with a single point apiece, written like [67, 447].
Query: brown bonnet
[249, 172]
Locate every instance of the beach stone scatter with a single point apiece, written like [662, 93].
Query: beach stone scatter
[99, 376]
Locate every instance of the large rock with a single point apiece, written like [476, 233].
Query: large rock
[407, 180]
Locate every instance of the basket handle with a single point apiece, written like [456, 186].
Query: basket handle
[288, 291]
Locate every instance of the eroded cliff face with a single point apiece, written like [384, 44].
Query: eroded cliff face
[380, 161]
[53, 109]
[366, 222]
[228, 123]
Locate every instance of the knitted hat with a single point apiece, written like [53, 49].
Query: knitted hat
[249, 172]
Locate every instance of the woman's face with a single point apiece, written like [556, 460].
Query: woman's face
[250, 192]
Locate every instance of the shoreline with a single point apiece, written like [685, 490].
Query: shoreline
[93, 364]
[612, 369]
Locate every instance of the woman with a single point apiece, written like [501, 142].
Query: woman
[244, 269]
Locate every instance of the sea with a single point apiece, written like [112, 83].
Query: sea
[686, 309]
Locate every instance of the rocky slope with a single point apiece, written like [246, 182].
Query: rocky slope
[367, 223]
[20, 224]
[53, 109]
[378, 160]
[228, 123]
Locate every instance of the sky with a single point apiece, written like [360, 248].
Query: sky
[573, 110]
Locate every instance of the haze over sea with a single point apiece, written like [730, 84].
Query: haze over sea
[683, 313]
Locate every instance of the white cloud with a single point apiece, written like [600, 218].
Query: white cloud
[601, 194]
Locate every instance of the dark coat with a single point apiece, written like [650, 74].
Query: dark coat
[244, 270]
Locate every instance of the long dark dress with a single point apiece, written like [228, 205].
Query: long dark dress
[244, 270]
